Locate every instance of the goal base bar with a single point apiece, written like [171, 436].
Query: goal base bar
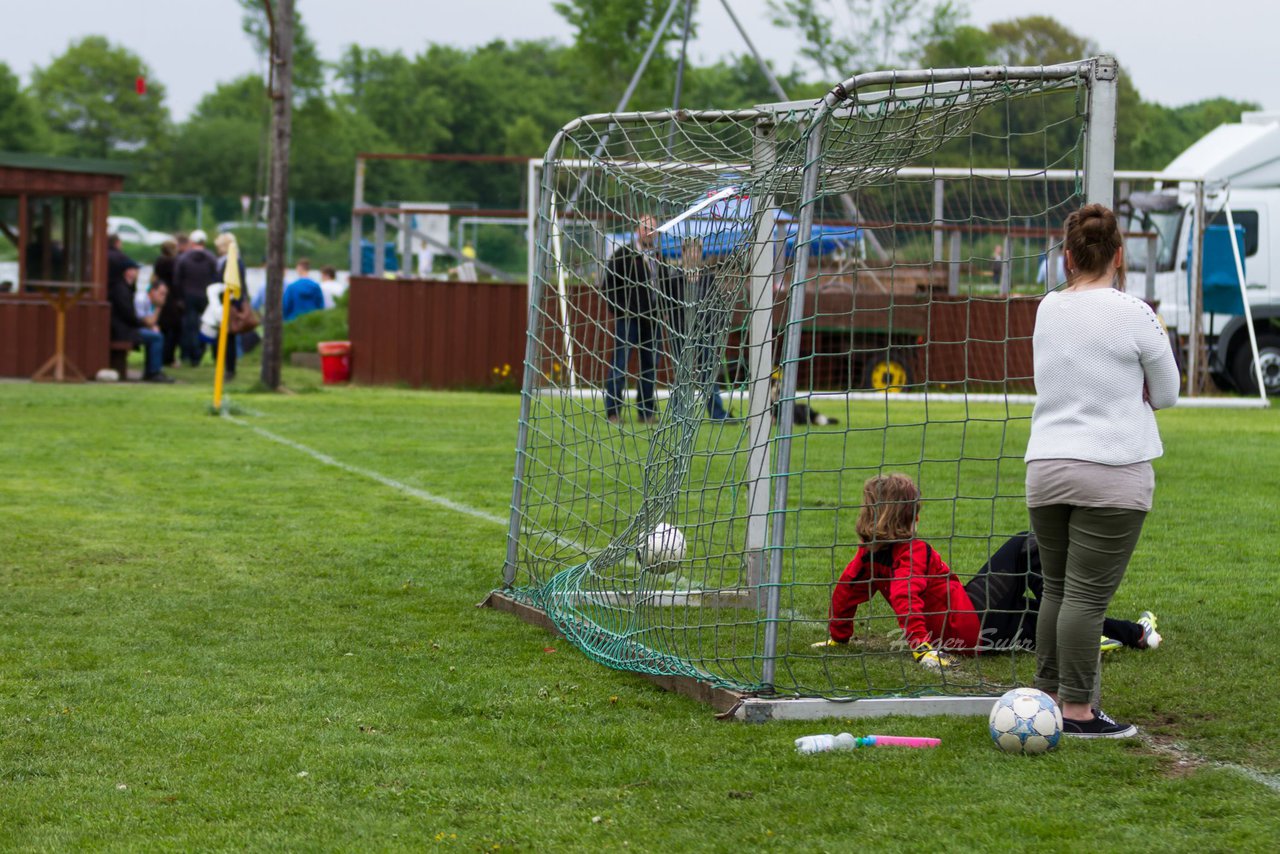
[760, 709]
[735, 705]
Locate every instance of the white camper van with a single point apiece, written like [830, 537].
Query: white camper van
[1239, 167]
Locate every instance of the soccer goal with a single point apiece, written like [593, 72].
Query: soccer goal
[831, 290]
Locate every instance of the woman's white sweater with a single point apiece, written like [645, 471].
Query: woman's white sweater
[1095, 351]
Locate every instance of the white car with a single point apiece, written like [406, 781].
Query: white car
[132, 231]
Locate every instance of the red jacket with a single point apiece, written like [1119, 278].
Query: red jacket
[930, 601]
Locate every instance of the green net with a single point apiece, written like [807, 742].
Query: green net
[829, 294]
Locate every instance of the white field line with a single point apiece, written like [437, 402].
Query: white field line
[404, 488]
[1189, 757]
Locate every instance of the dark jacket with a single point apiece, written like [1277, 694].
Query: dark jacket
[193, 272]
[163, 269]
[117, 261]
[628, 286]
[124, 317]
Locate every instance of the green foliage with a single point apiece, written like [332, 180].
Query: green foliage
[22, 126]
[302, 334]
[868, 34]
[89, 101]
[611, 37]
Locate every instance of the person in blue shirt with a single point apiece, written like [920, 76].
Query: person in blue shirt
[303, 294]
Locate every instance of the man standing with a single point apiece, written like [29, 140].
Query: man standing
[193, 272]
[632, 288]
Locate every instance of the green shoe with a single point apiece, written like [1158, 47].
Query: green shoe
[1150, 637]
[1110, 644]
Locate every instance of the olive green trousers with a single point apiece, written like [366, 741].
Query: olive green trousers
[1084, 552]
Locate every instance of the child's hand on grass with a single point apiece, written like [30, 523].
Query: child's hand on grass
[931, 659]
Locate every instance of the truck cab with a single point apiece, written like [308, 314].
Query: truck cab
[1239, 167]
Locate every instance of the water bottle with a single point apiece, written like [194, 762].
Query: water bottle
[823, 743]
[845, 741]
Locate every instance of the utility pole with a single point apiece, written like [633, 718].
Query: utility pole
[280, 88]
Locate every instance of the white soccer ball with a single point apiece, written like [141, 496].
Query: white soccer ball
[663, 549]
[1025, 720]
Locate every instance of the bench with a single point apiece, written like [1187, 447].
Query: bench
[120, 358]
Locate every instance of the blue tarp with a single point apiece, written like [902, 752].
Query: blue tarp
[390, 260]
[719, 240]
[1220, 282]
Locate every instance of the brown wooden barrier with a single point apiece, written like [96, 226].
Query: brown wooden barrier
[27, 335]
[433, 333]
[452, 334]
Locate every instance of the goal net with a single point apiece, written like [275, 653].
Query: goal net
[737, 317]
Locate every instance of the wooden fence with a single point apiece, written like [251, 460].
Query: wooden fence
[454, 334]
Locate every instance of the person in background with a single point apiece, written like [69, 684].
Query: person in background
[235, 346]
[303, 295]
[633, 286]
[997, 264]
[1103, 365]
[193, 272]
[126, 325]
[117, 261]
[330, 285]
[170, 320]
[149, 304]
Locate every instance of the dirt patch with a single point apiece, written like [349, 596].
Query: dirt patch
[1176, 761]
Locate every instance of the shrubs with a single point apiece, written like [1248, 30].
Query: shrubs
[303, 333]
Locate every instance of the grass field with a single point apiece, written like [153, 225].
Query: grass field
[210, 639]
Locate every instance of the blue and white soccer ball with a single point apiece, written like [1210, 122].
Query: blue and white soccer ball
[1025, 720]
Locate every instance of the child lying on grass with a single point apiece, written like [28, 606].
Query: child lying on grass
[938, 615]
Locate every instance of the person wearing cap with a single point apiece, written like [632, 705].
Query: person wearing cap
[193, 273]
[127, 326]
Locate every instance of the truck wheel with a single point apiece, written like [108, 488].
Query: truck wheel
[890, 371]
[1268, 355]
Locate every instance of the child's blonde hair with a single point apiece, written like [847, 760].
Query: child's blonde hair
[890, 505]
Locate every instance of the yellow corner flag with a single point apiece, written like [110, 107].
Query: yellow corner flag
[231, 290]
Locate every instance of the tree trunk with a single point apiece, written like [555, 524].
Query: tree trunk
[278, 206]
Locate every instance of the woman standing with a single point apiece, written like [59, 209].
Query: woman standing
[1103, 364]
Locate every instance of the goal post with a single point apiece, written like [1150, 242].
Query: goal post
[761, 264]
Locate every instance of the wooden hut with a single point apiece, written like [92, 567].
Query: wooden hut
[53, 249]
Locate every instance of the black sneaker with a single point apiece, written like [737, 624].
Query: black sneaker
[157, 377]
[1101, 725]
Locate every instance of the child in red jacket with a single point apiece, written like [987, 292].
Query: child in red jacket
[939, 615]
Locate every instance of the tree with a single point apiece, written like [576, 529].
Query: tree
[881, 33]
[89, 100]
[22, 127]
[281, 60]
[1036, 40]
[610, 39]
[308, 69]
[216, 151]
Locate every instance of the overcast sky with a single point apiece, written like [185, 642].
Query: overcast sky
[1177, 51]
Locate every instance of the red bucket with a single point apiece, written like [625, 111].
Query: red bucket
[335, 361]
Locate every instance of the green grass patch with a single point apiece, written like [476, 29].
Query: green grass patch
[210, 640]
